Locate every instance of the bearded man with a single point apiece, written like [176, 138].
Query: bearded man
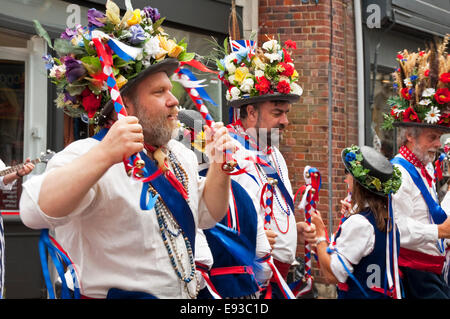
[127, 237]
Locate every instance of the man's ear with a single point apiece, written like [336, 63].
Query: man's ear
[252, 113]
[129, 105]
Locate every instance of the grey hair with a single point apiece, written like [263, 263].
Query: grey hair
[405, 132]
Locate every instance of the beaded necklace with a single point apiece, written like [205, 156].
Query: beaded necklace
[170, 231]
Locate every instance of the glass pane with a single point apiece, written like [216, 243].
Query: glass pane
[382, 139]
[12, 81]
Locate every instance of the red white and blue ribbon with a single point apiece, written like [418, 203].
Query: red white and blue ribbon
[105, 55]
[204, 271]
[310, 197]
[438, 167]
[60, 260]
[198, 94]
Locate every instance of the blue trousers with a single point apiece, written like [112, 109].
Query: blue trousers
[419, 284]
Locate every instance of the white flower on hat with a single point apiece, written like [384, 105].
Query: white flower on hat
[271, 46]
[273, 57]
[233, 94]
[259, 73]
[296, 89]
[229, 63]
[408, 82]
[152, 47]
[424, 102]
[428, 92]
[247, 85]
[433, 115]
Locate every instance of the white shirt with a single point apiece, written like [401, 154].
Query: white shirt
[357, 240]
[417, 231]
[264, 272]
[113, 243]
[284, 225]
[3, 186]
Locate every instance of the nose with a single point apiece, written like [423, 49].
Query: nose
[284, 120]
[172, 100]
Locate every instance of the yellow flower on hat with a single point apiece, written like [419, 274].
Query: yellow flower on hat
[241, 74]
[121, 81]
[170, 46]
[258, 64]
[113, 12]
[175, 51]
[136, 18]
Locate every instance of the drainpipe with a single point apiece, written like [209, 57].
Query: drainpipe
[359, 71]
[330, 127]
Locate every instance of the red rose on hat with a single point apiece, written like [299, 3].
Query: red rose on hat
[445, 77]
[262, 85]
[445, 119]
[442, 96]
[406, 93]
[287, 68]
[90, 102]
[284, 87]
[290, 44]
[410, 115]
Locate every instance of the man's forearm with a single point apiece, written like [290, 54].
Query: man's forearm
[64, 187]
[216, 191]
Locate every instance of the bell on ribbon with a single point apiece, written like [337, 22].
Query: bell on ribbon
[272, 181]
[229, 166]
[140, 164]
[161, 158]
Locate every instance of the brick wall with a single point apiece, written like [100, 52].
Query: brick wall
[306, 141]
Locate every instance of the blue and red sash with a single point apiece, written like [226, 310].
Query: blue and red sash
[437, 213]
[174, 201]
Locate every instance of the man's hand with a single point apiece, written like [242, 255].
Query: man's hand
[124, 138]
[306, 232]
[444, 229]
[271, 237]
[218, 141]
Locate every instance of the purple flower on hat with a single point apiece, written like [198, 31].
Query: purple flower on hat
[48, 61]
[95, 17]
[74, 69]
[68, 97]
[152, 13]
[69, 34]
[137, 34]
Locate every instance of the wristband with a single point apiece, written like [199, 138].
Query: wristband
[17, 173]
[320, 239]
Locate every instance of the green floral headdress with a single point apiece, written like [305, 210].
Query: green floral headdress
[370, 178]
[76, 68]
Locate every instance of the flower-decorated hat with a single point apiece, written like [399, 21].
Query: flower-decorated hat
[252, 74]
[138, 46]
[371, 169]
[422, 83]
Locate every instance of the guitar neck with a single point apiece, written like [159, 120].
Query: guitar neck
[17, 167]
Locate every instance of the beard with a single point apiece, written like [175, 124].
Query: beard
[425, 156]
[268, 137]
[157, 129]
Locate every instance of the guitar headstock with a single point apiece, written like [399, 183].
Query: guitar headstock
[46, 156]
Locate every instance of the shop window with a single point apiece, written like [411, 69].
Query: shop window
[382, 89]
[12, 75]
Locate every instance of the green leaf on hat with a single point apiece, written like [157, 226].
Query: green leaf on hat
[42, 33]
[185, 56]
[92, 64]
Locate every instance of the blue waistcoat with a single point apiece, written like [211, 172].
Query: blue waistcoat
[243, 284]
[373, 266]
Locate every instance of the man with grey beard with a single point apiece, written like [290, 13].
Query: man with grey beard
[422, 223]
